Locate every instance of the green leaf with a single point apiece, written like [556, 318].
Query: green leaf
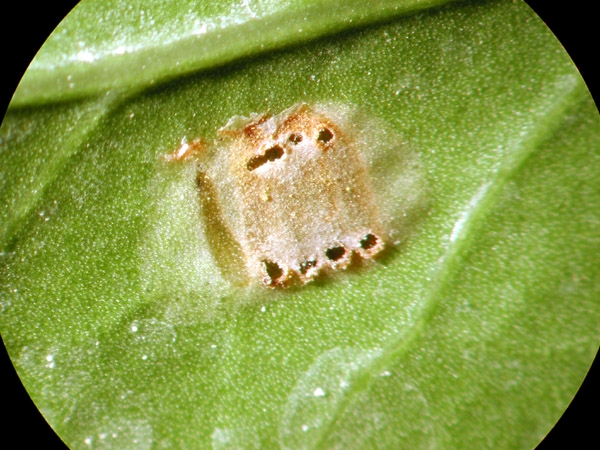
[474, 331]
[153, 40]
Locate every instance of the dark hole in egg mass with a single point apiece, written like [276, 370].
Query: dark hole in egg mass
[369, 241]
[335, 253]
[270, 154]
[295, 138]
[325, 135]
[273, 270]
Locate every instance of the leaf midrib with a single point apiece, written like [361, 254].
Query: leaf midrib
[190, 53]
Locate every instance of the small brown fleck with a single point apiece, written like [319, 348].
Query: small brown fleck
[270, 154]
[274, 272]
[335, 253]
[295, 138]
[325, 135]
[369, 241]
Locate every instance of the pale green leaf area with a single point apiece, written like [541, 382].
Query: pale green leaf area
[131, 329]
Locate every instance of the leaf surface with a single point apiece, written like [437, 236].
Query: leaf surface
[474, 331]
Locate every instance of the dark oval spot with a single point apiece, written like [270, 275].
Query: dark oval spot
[295, 138]
[369, 241]
[273, 270]
[325, 135]
[270, 154]
[335, 253]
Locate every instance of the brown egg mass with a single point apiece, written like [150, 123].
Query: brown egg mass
[295, 193]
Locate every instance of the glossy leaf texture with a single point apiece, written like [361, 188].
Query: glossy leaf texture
[474, 331]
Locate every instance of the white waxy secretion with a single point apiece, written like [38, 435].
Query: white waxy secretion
[295, 193]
